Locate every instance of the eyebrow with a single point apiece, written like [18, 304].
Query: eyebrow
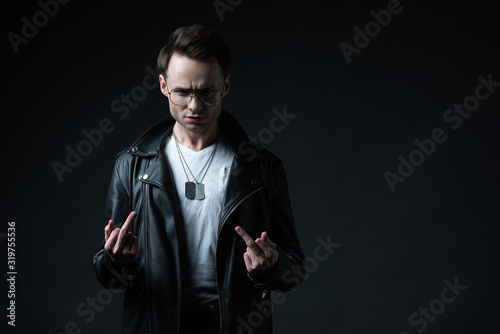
[212, 86]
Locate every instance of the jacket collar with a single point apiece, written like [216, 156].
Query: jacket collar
[151, 142]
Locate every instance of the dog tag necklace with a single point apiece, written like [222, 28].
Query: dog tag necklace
[194, 189]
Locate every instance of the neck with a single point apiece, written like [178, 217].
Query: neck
[196, 141]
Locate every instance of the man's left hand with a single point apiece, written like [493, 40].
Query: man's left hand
[261, 254]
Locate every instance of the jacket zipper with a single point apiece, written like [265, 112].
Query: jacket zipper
[146, 195]
[216, 248]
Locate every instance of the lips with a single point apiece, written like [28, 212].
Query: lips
[194, 119]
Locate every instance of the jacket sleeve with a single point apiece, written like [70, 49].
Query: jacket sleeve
[289, 270]
[109, 274]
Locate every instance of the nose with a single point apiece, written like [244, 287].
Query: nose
[195, 103]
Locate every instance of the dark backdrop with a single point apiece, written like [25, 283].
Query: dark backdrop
[354, 121]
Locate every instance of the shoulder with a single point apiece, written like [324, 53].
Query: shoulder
[149, 143]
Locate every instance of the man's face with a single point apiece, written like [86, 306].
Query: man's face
[186, 73]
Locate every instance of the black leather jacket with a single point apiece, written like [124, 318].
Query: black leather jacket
[256, 199]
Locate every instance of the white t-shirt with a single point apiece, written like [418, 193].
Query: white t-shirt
[201, 217]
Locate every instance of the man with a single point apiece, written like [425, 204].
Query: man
[206, 227]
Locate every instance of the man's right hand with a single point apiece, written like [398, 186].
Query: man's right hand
[121, 244]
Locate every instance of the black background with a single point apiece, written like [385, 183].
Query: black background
[352, 122]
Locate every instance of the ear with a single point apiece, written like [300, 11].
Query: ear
[163, 85]
[227, 84]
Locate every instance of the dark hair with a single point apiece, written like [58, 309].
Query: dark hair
[198, 43]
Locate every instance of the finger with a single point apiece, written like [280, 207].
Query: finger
[110, 243]
[248, 262]
[127, 246]
[124, 230]
[129, 252]
[265, 237]
[121, 243]
[244, 235]
[130, 219]
[108, 229]
[256, 256]
[265, 248]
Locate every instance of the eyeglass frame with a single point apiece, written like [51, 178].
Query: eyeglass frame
[195, 91]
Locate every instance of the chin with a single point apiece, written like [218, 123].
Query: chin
[196, 127]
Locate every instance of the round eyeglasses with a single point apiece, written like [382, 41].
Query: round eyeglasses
[182, 96]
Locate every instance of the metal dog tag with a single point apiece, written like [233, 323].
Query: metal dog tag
[200, 191]
[190, 190]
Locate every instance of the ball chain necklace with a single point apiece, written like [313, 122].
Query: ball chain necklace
[194, 189]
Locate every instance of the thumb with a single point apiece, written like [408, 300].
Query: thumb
[108, 229]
